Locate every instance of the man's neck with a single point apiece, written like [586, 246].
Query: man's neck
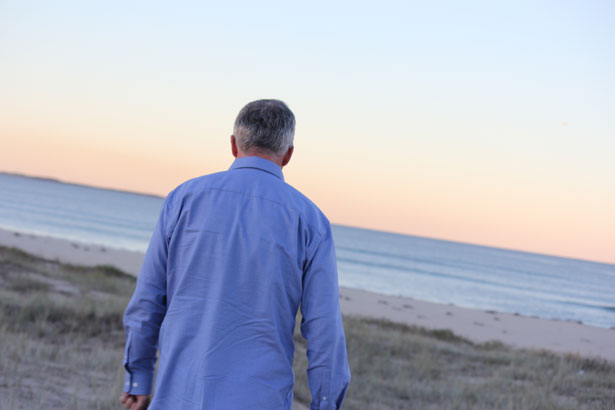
[261, 154]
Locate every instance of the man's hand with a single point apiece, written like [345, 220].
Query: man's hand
[135, 402]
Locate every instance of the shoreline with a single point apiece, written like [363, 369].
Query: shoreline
[481, 326]
[73, 252]
[475, 325]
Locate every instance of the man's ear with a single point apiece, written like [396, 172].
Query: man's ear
[287, 156]
[234, 146]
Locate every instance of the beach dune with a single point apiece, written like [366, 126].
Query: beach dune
[473, 324]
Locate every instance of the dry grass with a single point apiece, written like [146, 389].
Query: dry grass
[62, 337]
[62, 344]
[401, 367]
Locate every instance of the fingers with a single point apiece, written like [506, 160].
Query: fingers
[141, 403]
[127, 400]
[132, 402]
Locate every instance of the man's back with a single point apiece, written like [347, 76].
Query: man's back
[233, 256]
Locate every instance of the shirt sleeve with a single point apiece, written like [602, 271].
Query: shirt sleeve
[321, 325]
[146, 310]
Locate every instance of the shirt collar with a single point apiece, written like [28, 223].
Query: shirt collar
[258, 163]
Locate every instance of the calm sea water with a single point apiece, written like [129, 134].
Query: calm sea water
[429, 269]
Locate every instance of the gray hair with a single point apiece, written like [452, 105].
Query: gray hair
[265, 124]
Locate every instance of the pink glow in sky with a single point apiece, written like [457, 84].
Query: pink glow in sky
[482, 123]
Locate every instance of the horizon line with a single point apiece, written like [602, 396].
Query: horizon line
[61, 181]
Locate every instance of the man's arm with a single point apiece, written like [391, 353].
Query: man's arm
[321, 325]
[146, 310]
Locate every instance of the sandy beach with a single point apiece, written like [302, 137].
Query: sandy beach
[473, 324]
[73, 252]
[483, 326]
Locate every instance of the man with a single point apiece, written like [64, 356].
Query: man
[232, 258]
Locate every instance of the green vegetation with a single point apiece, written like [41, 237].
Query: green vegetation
[62, 344]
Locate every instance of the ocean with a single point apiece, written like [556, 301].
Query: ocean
[434, 270]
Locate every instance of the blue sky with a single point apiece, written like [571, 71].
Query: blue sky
[487, 122]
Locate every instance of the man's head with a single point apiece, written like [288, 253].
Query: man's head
[264, 128]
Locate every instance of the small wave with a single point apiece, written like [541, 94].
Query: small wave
[589, 305]
[434, 274]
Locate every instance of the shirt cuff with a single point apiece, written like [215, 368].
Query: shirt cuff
[138, 383]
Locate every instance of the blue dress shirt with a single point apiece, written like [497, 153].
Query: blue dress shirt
[232, 258]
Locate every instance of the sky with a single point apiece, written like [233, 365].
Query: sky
[477, 121]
